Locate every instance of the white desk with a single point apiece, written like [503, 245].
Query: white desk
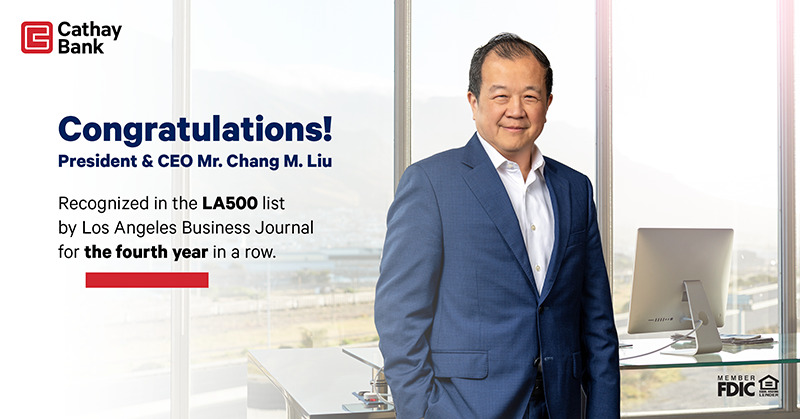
[315, 383]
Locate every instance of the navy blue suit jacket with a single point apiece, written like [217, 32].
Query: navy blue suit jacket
[457, 310]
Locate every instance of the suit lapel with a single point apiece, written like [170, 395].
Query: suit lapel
[485, 183]
[558, 188]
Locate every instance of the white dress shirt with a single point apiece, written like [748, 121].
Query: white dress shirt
[531, 201]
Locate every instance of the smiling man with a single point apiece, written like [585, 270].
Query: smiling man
[493, 299]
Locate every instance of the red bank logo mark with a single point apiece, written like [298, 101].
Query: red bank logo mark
[37, 37]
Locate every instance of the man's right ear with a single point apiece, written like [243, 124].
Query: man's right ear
[473, 103]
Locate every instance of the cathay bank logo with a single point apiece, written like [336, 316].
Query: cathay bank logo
[75, 38]
[37, 37]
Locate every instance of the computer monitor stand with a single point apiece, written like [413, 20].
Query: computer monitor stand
[707, 335]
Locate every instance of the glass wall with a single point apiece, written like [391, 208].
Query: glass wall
[695, 145]
[303, 62]
[69, 350]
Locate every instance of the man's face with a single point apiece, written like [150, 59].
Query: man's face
[512, 108]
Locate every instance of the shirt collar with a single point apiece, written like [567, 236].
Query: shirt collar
[537, 159]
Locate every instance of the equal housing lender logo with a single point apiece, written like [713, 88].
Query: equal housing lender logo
[84, 38]
[747, 386]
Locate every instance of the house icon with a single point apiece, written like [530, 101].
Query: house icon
[768, 383]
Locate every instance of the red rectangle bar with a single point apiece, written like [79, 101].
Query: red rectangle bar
[146, 279]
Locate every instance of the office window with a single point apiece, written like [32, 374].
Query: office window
[69, 350]
[695, 146]
[446, 33]
[290, 62]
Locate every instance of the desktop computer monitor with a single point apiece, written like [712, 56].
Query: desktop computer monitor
[680, 279]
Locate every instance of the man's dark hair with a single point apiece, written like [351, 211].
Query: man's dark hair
[509, 46]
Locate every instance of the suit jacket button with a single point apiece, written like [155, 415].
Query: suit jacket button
[541, 309]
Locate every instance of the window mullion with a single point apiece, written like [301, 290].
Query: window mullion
[787, 233]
